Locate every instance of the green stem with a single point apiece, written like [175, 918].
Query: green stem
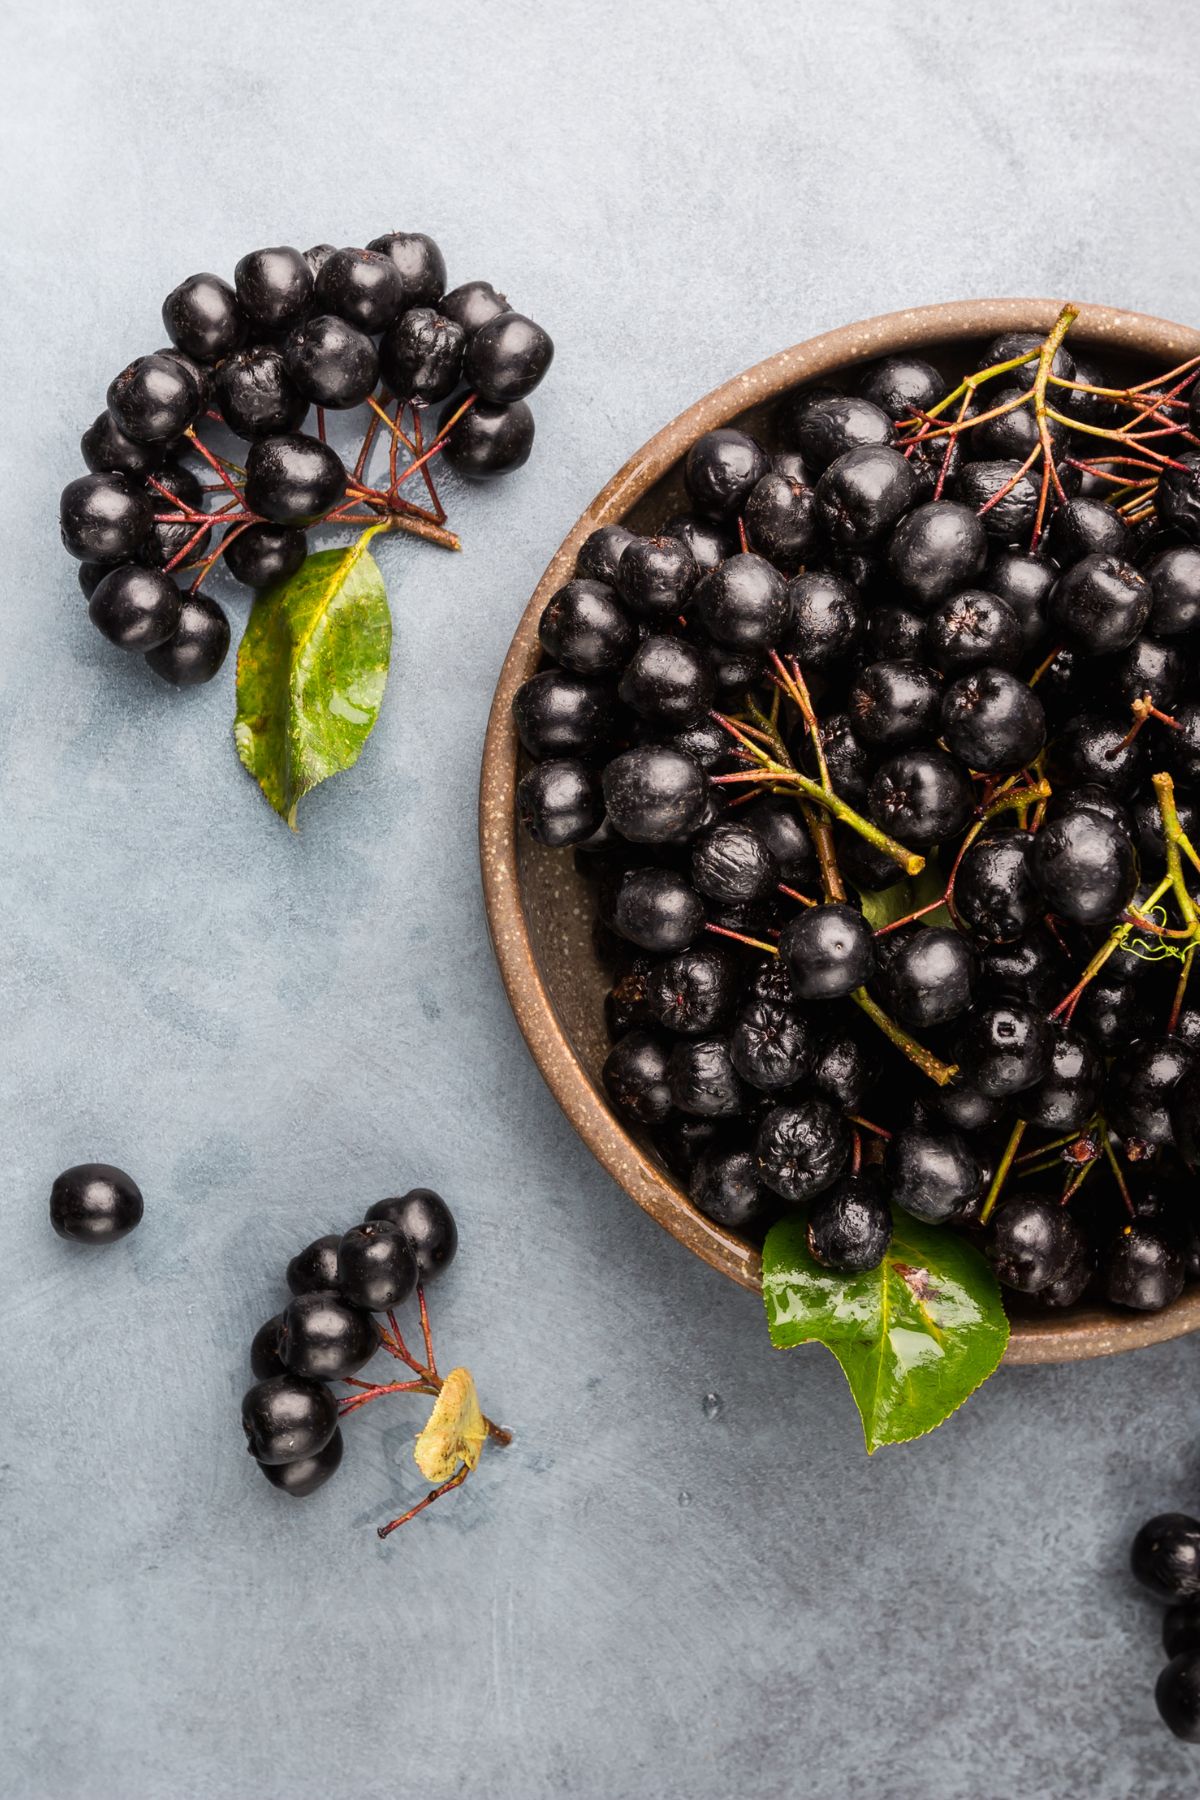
[916, 1053]
[1113, 942]
[778, 776]
[1002, 1169]
[1164, 789]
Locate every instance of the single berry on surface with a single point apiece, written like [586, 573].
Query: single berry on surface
[95, 1203]
[1165, 1556]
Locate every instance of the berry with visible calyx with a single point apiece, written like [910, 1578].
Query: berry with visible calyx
[1165, 1556]
[838, 423]
[418, 262]
[326, 1338]
[288, 1417]
[801, 1149]
[920, 797]
[472, 304]
[903, 385]
[653, 793]
[203, 319]
[1143, 1269]
[994, 891]
[1175, 592]
[730, 863]
[655, 576]
[721, 471]
[1085, 867]
[781, 518]
[1005, 1047]
[293, 479]
[703, 1080]
[507, 358]
[937, 550]
[585, 628]
[95, 1203]
[850, 1225]
[1181, 1628]
[261, 555]
[971, 630]
[558, 802]
[691, 993]
[725, 1187]
[274, 287]
[635, 1078]
[107, 451]
[104, 518]
[558, 713]
[667, 681]
[829, 951]
[308, 1473]
[314, 1270]
[1100, 604]
[331, 362]
[421, 355]
[198, 648]
[136, 608]
[932, 1174]
[1177, 1696]
[1139, 1097]
[1067, 1095]
[488, 440]
[930, 977]
[153, 400]
[772, 1045]
[1085, 527]
[1033, 1241]
[361, 286]
[743, 603]
[1178, 495]
[256, 395]
[428, 1224]
[993, 721]
[655, 909]
[862, 495]
[265, 1359]
[825, 619]
[376, 1266]
[891, 704]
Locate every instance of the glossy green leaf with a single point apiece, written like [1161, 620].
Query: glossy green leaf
[311, 672]
[915, 1337]
[883, 906]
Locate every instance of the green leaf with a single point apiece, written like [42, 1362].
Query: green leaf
[883, 906]
[915, 1337]
[311, 672]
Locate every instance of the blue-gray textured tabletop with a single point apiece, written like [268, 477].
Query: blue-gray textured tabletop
[648, 1595]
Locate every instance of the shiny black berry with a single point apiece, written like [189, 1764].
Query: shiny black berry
[199, 646]
[361, 286]
[274, 287]
[992, 721]
[1068, 1093]
[376, 1266]
[971, 630]
[1175, 592]
[850, 1225]
[558, 802]
[265, 1359]
[838, 423]
[779, 824]
[937, 550]
[921, 797]
[668, 681]
[288, 1417]
[428, 1224]
[95, 1203]
[930, 977]
[1178, 497]
[488, 440]
[1177, 1696]
[313, 1270]
[472, 304]
[261, 555]
[722, 469]
[932, 1174]
[558, 713]
[655, 909]
[107, 451]
[773, 1045]
[601, 552]
[1100, 604]
[326, 1338]
[1085, 867]
[691, 993]
[104, 518]
[725, 1187]
[1010, 498]
[800, 1149]
[829, 951]
[703, 1080]
[1139, 1097]
[891, 704]
[256, 395]
[994, 891]
[743, 603]
[730, 863]
[421, 355]
[1005, 1047]
[507, 358]
[653, 793]
[1024, 581]
[304, 1476]
[1165, 1556]
[136, 608]
[331, 362]
[781, 518]
[825, 619]
[635, 1078]
[1033, 1241]
[1086, 527]
[203, 319]
[864, 494]
[709, 542]
[293, 479]
[902, 385]
[1181, 1628]
[418, 262]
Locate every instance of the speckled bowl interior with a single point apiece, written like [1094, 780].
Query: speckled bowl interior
[540, 911]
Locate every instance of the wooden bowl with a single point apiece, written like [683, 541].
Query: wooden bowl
[540, 911]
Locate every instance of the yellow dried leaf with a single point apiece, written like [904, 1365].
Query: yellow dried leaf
[455, 1432]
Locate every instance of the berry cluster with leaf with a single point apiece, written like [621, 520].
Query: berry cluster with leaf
[883, 761]
[269, 361]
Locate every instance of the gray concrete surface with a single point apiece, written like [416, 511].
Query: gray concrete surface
[638, 1599]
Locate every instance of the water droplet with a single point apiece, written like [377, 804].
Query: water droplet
[685, 1499]
[714, 1406]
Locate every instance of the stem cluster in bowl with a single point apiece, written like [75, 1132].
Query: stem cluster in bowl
[884, 763]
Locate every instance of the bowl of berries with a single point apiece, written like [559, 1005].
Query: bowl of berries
[840, 818]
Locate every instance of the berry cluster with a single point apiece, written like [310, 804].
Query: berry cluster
[327, 1333]
[1166, 1559]
[882, 651]
[322, 330]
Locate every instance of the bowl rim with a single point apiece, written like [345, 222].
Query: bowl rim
[1077, 1336]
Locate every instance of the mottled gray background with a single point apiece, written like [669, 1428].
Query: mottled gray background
[638, 1599]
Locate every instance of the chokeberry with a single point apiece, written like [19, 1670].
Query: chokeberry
[559, 803]
[921, 797]
[1005, 1047]
[902, 385]
[107, 451]
[203, 319]
[993, 721]
[136, 608]
[862, 495]
[1011, 344]
[743, 603]
[1177, 1696]
[845, 1068]
[829, 951]
[318, 255]
[702, 1078]
[1112, 1013]
[655, 576]
[721, 471]
[937, 550]
[1010, 497]
[850, 1225]
[507, 358]
[653, 793]
[708, 542]
[274, 287]
[104, 518]
[376, 1266]
[472, 304]
[772, 1046]
[313, 1270]
[668, 681]
[199, 645]
[288, 1417]
[293, 479]
[1068, 1093]
[1100, 604]
[418, 262]
[1185, 1116]
[655, 909]
[635, 1078]
[488, 440]
[1178, 496]
[971, 630]
[1024, 581]
[308, 1473]
[1141, 1085]
[261, 555]
[691, 993]
[931, 977]
[994, 891]
[1181, 1628]
[1086, 527]
[421, 355]
[838, 423]
[781, 518]
[778, 823]
[428, 1224]
[800, 1149]
[256, 395]
[601, 552]
[825, 619]
[1098, 749]
[725, 1187]
[326, 1338]
[731, 863]
[1175, 592]
[361, 286]
[1165, 1556]
[932, 1174]
[95, 1203]
[891, 704]
[1033, 1241]
[331, 362]
[265, 1359]
[894, 634]
[1085, 866]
